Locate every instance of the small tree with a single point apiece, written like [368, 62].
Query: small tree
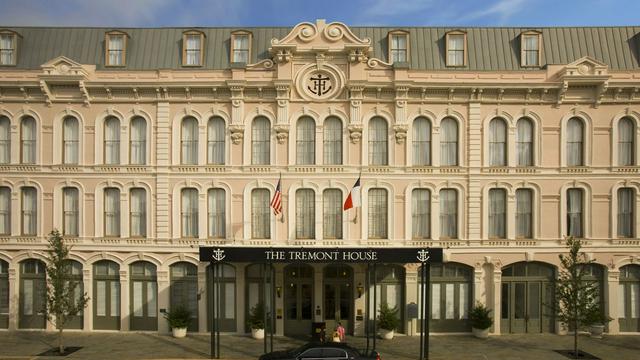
[388, 317]
[62, 303]
[575, 298]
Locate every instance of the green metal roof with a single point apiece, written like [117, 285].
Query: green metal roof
[489, 49]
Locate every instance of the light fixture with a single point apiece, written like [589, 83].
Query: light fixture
[279, 290]
[360, 290]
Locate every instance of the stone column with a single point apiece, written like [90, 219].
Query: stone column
[611, 300]
[125, 312]
[497, 295]
[14, 304]
[88, 289]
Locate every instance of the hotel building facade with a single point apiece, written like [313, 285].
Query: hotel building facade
[141, 145]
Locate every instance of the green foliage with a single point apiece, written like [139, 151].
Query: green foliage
[256, 316]
[180, 317]
[62, 302]
[480, 317]
[388, 317]
[595, 316]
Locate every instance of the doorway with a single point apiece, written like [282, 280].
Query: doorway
[227, 297]
[184, 290]
[298, 299]
[629, 298]
[32, 294]
[76, 322]
[144, 296]
[338, 297]
[106, 295]
[4, 294]
[390, 289]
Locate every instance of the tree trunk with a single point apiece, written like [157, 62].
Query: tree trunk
[575, 338]
[60, 344]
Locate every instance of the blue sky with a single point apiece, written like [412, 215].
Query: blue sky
[153, 13]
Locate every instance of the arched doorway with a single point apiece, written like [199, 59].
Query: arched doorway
[32, 295]
[390, 281]
[4, 294]
[527, 298]
[144, 296]
[338, 296]
[629, 298]
[106, 295]
[298, 299]
[76, 322]
[255, 290]
[227, 296]
[451, 297]
[184, 290]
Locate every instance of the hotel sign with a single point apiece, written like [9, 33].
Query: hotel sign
[320, 255]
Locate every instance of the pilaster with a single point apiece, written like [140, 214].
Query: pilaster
[474, 151]
[163, 141]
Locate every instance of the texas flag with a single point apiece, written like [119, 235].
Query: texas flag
[353, 200]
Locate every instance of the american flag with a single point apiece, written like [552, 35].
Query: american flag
[276, 202]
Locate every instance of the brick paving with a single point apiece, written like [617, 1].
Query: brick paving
[131, 345]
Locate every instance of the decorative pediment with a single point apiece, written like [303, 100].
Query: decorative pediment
[320, 37]
[62, 66]
[586, 68]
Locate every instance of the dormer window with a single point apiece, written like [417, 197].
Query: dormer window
[192, 48]
[116, 47]
[530, 45]
[240, 47]
[8, 46]
[398, 46]
[456, 48]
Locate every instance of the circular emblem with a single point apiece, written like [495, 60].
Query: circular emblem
[322, 83]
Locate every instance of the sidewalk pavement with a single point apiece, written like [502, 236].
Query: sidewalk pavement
[133, 345]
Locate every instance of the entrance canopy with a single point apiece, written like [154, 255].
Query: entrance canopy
[320, 255]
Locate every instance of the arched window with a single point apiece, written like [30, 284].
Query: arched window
[305, 214]
[71, 140]
[5, 210]
[111, 212]
[575, 212]
[626, 142]
[448, 142]
[138, 142]
[378, 216]
[421, 142]
[497, 143]
[333, 141]
[332, 212]
[138, 213]
[260, 217]
[29, 211]
[189, 212]
[112, 141]
[5, 140]
[28, 140]
[215, 141]
[626, 212]
[575, 142]
[189, 141]
[305, 141]
[524, 213]
[70, 211]
[217, 214]
[497, 213]
[260, 141]
[448, 214]
[524, 142]
[421, 213]
[378, 142]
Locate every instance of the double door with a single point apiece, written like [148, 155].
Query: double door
[338, 301]
[629, 306]
[526, 307]
[298, 300]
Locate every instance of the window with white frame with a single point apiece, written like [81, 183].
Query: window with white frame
[305, 141]
[112, 141]
[456, 44]
[421, 140]
[260, 215]
[575, 142]
[5, 210]
[29, 211]
[138, 213]
[626, 212]
[7, 48]
[575, 212]
[421, 213]
[28, 140]
[216, 213]
[138, 141]
[71, 140]
[116, 48]
[378, 217]
[398, 48]
[215, 141]
[70, 211]
[448, 142]
[448, 214]
[111, 212]
[241, 45]
[192, 54]
[305, 214]
[332, 141]
[378, 142]
[524, 142]
[5, 140]
[626, 142]
[530, 44]
[497, 213]
[524, 213]
[189, 141]
[497, 143]
[189, 212]
[260, 141]
[332, 213]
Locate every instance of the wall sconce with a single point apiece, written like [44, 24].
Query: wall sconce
[279, 291]
[360, 290]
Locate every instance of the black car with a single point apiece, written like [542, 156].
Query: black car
[321, 351]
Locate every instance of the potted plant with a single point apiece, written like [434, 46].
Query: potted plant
[179, 319]
[481, 321]
[596, 319]
[256, 321]
[387, 320]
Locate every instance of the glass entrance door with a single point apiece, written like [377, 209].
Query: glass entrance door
[338, 297]
[629, 299]
[227, 298]
[106, 295]
[4, 294]
[184, 290]
[298, 299]
[144, 301]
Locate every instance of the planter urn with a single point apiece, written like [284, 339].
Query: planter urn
[480, 333]
[179, 332]
[386, 334]
[257, 334]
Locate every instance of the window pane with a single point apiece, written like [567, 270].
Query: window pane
[260, 141]
[333, 141]
[449, 301]
[101, 298]
[448, 142]
[70, 137]
[455, 50]
[497, 213]
[260, 216]
[575, 138]
[524, 199]
[524, 142]
[305, 214]
[378, 213]
[7, 49]
[217, 217]
[5, 210]
[116, 47]
[112, 141]
[189, 141]
[497, 143]
[378, 142]
[189, 212]
[421, 213]
[421, 142]
[138, 142]
[626, 215]
[215, 144]
[5, 140]
[71, 210]
[626, 139]
[575, 212]
[448, 213]
[111, 212]
[151, 299]
[28, 297]
[138, 212]
[193, 49]
[137, 299]
[115, 298]
[332, 210]
[435, 301]
[464, 301]
[241, 48]
[29, 211]
[305, 141]
[28, 140]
